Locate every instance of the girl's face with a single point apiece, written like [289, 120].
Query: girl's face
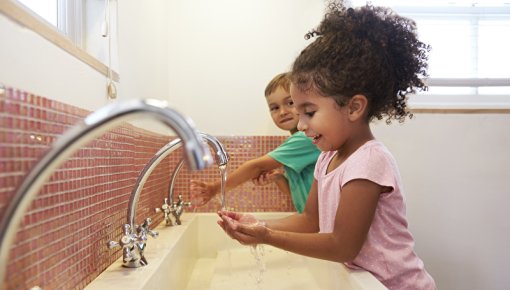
[282, 110]
[321, 118]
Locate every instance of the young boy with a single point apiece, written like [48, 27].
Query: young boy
[297, 154]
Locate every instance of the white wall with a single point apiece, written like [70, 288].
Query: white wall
[455, 173]
[222, 54]
[143, 49]
[212, 62]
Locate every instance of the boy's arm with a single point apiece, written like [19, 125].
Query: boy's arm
[276, 176]
[247, 171]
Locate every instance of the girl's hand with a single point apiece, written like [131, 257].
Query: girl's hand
[240, 217]
[244, 228]
[201, 192]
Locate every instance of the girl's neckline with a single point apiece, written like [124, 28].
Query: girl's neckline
[342, 164]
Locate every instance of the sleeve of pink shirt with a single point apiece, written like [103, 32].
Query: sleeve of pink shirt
[371, 163]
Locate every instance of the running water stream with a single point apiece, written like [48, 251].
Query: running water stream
[257, 252]
[223, 176]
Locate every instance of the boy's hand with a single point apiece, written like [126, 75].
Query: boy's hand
[268, 177]
[201, 192]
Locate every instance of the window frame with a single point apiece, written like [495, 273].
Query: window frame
[70, 20]
[483, 102]
[467, 103]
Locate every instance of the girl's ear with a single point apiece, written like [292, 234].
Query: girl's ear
[357, 107]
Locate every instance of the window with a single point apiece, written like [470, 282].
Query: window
[47, 9]
[82, 28]
[469, 65]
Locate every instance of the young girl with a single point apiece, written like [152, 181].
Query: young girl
[361, 66]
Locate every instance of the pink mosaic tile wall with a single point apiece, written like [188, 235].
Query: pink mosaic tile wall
[61, 241]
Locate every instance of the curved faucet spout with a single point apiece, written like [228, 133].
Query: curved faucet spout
[221, 154]
[221, 159]
[198, 156]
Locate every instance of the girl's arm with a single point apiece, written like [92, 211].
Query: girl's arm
[352, 221]
[305, 222]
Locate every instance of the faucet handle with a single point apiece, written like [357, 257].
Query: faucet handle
[126, 241]
[146, 223]
[153, 234]
[179, 209]
[181, 202]
[145, 228]
[112, 244]
[166, 209]
[129, 242]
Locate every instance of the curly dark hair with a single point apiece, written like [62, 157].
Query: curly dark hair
[368, 50]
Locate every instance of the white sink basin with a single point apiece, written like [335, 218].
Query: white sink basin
[198, 255]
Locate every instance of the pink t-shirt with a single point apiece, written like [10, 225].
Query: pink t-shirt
[388, 250]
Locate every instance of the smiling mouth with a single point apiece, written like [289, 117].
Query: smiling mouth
[316, 138]
[286, 120]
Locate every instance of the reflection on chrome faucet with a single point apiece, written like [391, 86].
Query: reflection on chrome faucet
[198, 156]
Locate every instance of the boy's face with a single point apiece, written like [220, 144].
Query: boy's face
[282, 110]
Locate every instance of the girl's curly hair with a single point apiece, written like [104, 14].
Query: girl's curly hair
[369, 51]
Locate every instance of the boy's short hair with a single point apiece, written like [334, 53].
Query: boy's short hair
[280, 80]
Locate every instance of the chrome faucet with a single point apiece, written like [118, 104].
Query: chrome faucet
[133, 243]
[198, 156]
[177, 208]
[169, 207]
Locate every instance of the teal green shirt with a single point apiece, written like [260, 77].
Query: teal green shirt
[298, 156]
